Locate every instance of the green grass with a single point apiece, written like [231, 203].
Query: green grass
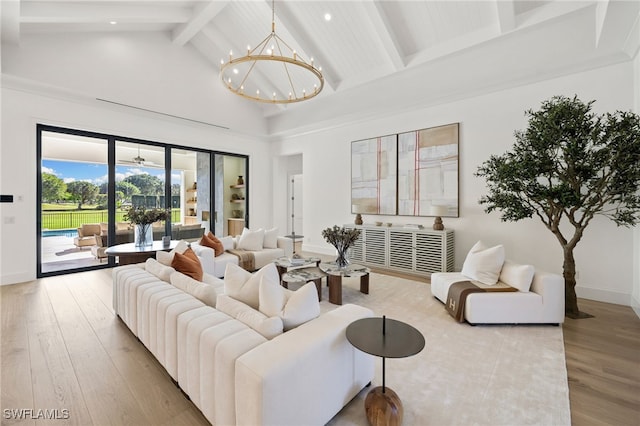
[75, 218]
[65, 206]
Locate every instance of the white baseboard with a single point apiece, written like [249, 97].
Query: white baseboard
[607, 296]
[15, 278]
[329, 251]
[635, 305]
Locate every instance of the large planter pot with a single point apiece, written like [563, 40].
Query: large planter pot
[143, 235]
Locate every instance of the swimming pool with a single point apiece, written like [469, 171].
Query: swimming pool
[60, 233]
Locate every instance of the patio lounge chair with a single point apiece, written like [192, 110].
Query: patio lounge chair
[86, 235]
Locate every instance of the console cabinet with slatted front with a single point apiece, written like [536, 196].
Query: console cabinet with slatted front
[411, 251]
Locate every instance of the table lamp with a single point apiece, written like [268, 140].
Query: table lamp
[357, 209]
[438, 211]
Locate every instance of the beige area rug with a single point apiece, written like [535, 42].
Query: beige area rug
[465, 375]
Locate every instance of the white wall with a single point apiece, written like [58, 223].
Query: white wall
[141, 69]
[22, 110]
[604, 256]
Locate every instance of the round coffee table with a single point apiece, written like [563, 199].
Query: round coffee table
[129, 253]
[386, 338]
[334, 278]
[284, 263]
[304, 275]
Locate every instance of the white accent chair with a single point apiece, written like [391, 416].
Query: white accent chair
[542, 304]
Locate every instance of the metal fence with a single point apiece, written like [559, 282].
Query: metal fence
[75, 219]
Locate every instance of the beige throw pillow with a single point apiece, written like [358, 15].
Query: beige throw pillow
[245, 286]
[484, 264]
[167, 257]
[303, 305]
[251, 240]
[270, 238]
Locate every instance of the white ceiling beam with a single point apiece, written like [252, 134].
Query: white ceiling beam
[10, 10]
[549, 11]
[307, 44]
[601, 15]
[615, 25]
[632, 45]
[87, 13]
[385, 33]
[203, 14]
[506, 15]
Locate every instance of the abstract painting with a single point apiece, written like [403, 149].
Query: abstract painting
[374, 175]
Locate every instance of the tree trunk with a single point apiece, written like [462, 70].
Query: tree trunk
[569, 274]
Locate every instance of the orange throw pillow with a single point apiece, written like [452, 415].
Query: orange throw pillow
[188, 263]
[210, 240]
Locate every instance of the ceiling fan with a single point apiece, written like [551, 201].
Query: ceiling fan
[140, 161]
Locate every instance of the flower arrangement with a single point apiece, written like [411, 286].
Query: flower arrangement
[143, 216]
[341, 238]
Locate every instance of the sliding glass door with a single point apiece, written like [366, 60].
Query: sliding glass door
[88, 181]
[73, 181]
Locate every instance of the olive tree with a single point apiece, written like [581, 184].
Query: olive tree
[568, 165]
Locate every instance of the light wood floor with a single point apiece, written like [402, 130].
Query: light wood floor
[62, 347]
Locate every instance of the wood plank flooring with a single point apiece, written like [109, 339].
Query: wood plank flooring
[63, 348]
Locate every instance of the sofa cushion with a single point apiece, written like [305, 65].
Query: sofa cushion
[251, 240]
[270, 238]
[484, 264]
[188, 263]
[228, 243]
[303, 305]
[210, 240]
[271, 296]
[516, 275]
[159, 270]
[245, 286]
[269, 327]
[206, 293]
[166, 257]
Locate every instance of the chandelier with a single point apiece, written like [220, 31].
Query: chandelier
[272, 72]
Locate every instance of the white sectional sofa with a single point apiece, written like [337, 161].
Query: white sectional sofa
[543, 303]
[231, 372]
[216, 266]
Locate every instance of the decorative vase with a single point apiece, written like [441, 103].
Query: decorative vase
[143, 235]
[240, 180]
[342, 260]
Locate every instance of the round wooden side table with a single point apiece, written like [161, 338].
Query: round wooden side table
[386, 338]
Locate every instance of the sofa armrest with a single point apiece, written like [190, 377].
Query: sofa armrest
[207, 258]
[286, 244]
[551, 287]
[334, 372]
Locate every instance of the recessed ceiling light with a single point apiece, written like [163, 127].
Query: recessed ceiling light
[327, 16]
[112, 22]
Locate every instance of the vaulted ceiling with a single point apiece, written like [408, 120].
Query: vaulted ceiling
[401, 50]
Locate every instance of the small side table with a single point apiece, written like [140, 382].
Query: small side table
[386, 338]
[334, 279]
